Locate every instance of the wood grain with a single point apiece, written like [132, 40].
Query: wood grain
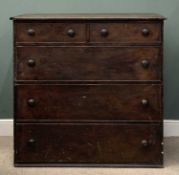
[88, 102]
[123, 32]
[88, 90]
[88, 63]
[88, 143]
[49, 32]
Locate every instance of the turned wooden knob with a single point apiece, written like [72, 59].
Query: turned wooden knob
[71, 32]
[104, 32]
[144, 143]
[145, 102]
[31, 102]
[145, 32]
[31, 63]
[145, 63]
[31, 142]
[31, 32]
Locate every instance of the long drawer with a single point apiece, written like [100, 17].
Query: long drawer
[68, 143]
[88, 102]
[88, 63]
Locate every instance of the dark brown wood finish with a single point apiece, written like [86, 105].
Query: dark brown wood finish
[88, 90]
[50, 32]
[88, 63]
[89, 143]
[134, 32]
[87, 102]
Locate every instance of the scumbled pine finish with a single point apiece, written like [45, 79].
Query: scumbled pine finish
[88, 90]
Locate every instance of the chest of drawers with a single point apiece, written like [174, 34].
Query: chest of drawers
[88, 90]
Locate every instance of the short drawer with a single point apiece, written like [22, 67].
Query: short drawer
[49, 32]
[122, 32]
[88, 63]
[68, 143]
[88, 102]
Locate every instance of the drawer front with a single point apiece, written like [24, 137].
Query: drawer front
[88, 143]
[88, 63]
[88, 102]
[49, 32]
[131, 32]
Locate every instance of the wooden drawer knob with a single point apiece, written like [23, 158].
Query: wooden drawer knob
[145, 63]
[31, 142]
[31, 102]
[145, 32]
[144, 143]
[104, 32]
[145, 102]
[31, 32]
[31, 63]
[71, 32]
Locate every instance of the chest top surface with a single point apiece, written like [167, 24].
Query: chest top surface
[88, 16]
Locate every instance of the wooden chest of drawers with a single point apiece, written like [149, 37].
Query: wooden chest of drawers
[88, 90]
